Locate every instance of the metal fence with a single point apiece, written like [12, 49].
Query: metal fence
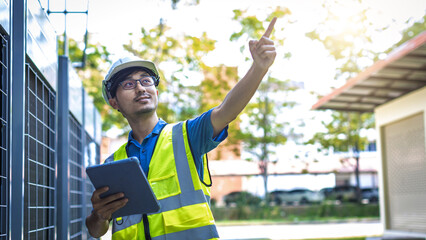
[52, 141]
[4, 130]
[40, 136]
[76, 179]
[92, 150]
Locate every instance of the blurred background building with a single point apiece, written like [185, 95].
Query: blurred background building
[395, 90]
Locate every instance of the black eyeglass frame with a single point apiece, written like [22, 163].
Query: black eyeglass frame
[153, 78]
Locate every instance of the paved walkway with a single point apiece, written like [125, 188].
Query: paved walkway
[295, 231]
[300, 231]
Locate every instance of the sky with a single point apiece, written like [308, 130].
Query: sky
[110, 22]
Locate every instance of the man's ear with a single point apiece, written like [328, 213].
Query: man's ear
[113, 103]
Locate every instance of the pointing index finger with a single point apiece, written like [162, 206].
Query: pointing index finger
[270, 28]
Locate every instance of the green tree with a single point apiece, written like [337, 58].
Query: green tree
[350, 45]
[184, 53]
[348, 38]
[343, 132]
[347, 32]
[218, 81]
[92, 74]
[189, 2]
[179, 100]
[411, 32]
[264, 129]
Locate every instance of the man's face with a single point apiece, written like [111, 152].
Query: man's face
[140, 100]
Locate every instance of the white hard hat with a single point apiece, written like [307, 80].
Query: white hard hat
[124, 63]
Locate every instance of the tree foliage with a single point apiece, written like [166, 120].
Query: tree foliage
[347, 38]
[178, 98]
[263, 109]
[411, 32]
[97, 61]
[343, 132]
[264, 129]
[218, 81]
[252, 27]
[348, 45]
[188, 2]
[346, 32]
[92, 74]
[262, 115]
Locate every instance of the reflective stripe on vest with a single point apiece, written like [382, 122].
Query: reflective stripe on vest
[184, 214]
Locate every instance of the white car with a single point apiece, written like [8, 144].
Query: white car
[298, 195]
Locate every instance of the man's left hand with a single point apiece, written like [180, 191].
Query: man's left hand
[263, 50]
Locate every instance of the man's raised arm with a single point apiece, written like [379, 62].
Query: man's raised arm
[263, 54]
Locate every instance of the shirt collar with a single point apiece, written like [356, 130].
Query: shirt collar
[157, 129]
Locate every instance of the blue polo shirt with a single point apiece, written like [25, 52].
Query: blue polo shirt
[200, 133]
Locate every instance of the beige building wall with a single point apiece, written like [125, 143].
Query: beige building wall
[401, 125]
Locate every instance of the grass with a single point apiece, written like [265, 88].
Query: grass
[296, 214]
[351, 238]
[291, 221]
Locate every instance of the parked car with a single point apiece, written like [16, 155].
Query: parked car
[369, 195]
[326, 192]
[275, 196]
[298, 195]
[344, 193]
[241, 198]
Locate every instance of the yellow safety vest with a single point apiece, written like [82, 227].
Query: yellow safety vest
[183, 198]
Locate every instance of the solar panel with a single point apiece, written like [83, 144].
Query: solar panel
[39, 171]
[4, 137]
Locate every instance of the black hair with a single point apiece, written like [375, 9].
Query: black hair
[121, 75]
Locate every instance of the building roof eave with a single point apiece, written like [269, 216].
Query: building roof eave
[403, 71]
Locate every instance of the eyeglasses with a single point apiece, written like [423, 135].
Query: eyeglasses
[145, 81]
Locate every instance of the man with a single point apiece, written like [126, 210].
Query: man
[171, 155]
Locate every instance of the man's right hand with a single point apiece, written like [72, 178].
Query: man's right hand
[104, 207]
[98, 221]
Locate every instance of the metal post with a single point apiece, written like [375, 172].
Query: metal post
[63, 197]
[65, 38]
[83, 147]
[65, 44]
[17, 116]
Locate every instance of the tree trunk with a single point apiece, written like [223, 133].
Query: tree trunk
[265, 148]
[357, 149]
[358, 185]
[265, 179]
